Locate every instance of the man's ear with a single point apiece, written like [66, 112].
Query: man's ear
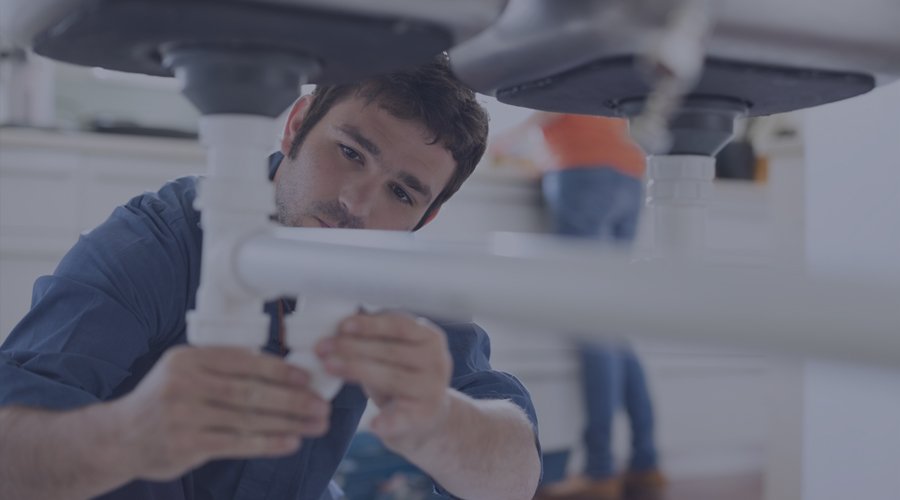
[295, 119]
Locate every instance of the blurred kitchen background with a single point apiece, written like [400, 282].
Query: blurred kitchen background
[75, 142]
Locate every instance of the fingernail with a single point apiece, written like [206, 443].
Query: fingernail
[377, 425]
[298, 377]
[350, 326]
[288, 443]
[334, 363]
[325, 346]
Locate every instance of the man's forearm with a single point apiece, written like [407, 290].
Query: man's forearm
[483, 449]
[49, 455]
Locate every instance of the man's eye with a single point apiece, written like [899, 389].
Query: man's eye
[350, 153]
[401, 195]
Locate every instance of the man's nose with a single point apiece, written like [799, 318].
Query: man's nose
[358, 196]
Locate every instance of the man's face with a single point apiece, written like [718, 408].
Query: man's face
[361, 167]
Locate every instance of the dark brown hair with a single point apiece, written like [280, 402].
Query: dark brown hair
[429, 94]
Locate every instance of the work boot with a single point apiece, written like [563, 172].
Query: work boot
[644, 485]
[582, 488]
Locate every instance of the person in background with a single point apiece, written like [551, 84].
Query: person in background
[592, 188]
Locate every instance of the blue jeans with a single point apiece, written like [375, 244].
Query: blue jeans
[613, 376]
[370, 471]
[596, 203]
[604, 204]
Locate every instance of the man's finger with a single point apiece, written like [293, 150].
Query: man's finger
[250, 394]
[380, 377]
[244, 362]
[392, 326]
[233, 420]
[352, 349]
[213, 444]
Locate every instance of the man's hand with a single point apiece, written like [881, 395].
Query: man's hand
[474, 448]
[203, 403]
[403, 363]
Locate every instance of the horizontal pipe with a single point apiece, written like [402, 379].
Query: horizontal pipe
[578, 289]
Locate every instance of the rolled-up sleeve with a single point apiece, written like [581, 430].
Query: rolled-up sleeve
[472, 373]
[23, 387]
[97, 323]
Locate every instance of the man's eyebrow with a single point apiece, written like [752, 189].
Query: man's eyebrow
[407, 178]
[415, 184]
[357, 136]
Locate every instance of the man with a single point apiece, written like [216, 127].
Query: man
[100, 396]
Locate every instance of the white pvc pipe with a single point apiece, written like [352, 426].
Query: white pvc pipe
[678, 193]
[235, 199]
[585, 293]
[313, 319]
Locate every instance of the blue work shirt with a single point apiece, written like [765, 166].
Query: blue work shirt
[118, 300]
